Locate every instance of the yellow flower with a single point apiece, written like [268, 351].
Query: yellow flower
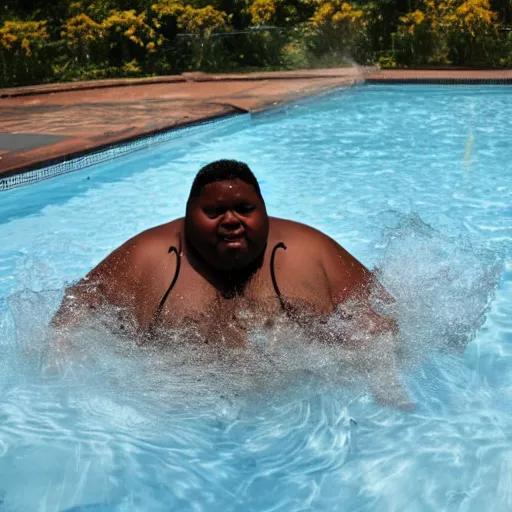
[170, 8]
[80, 30]
[131, 25]
[26, 34]
[201, 21]
[418, 17]
[262, 11]
[337, 14]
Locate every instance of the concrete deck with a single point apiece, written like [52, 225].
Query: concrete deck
[46, 124]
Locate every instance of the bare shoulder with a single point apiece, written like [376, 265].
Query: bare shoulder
[346, 275]
[132, 259]
[117, 278]
[145, 244]
[309, 238]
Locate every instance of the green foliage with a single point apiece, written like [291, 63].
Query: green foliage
[387, 62]
[44, 41]
[23, 51]
[296, 54]
[461, 32]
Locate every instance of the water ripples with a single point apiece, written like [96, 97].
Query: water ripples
[414, 180]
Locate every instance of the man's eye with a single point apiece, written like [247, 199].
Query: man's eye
[212, 212]
[245, 208]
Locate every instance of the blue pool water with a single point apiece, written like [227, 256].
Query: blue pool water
[414, 181]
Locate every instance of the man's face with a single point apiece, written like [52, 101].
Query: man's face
[228, 224]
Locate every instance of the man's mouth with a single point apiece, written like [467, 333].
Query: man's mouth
[232, 237]
[233, 240]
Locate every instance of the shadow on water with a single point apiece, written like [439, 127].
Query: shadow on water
[284, 420]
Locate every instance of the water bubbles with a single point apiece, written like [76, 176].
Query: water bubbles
[288, 412]
[442, 285]
[289, 422]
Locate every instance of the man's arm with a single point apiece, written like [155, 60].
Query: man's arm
[78, 299]
[119, 280]
[113, 281]
[352, 286]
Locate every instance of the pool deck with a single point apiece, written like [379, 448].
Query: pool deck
[46, 124]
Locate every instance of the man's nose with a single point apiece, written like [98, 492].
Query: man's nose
[230, 218]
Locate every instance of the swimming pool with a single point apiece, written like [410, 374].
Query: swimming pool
[416, 181]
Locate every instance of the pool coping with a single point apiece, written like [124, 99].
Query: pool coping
[284, 88]
[441, 76]
[199, 76]
[439, 81]
[331, 80]
[81, 159]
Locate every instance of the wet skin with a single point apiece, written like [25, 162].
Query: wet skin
[224, 287]
[228, 226]
[226, 241]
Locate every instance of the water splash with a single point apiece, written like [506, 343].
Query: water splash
[443, 285]
[284, 420]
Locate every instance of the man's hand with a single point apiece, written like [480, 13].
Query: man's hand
[376, 337]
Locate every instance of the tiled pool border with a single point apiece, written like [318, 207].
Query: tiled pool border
[148, 140]
[438, 81]
[76, 163]
[99, 155]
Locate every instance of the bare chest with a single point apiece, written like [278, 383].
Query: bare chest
[195, 299]
[195, 302]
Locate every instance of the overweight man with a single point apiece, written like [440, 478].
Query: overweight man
[225, 268]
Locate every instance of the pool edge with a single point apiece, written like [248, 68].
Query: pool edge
[46, 168]
[83, 158]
